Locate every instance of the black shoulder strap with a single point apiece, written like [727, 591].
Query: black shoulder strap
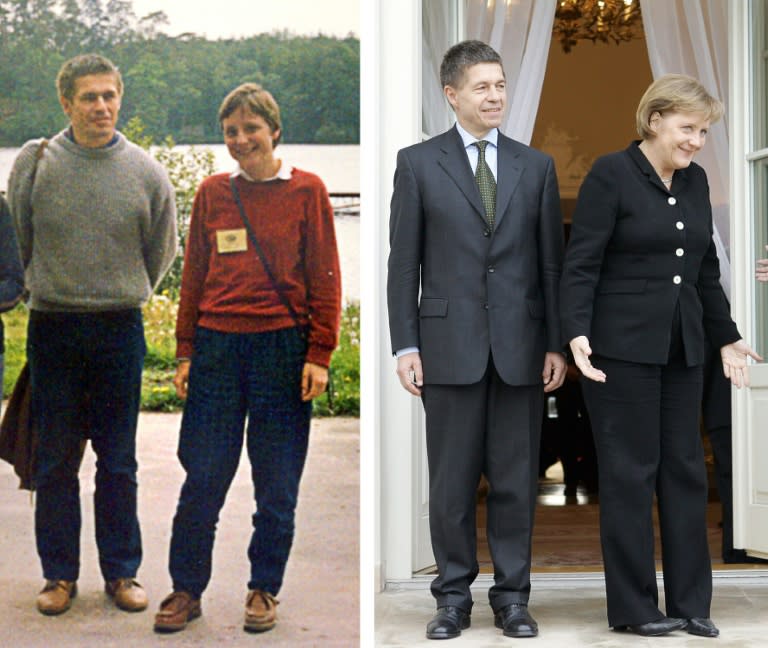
[260, 252]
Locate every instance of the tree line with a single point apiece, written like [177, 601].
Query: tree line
[174, 84]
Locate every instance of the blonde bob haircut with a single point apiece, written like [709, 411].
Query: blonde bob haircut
[676, 93]
[255, 99]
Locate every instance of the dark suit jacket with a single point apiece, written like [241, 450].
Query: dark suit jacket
[630, 239]
[481, 292]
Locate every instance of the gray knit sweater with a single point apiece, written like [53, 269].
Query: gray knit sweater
[97, 231]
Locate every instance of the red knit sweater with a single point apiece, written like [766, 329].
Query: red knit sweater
[230, 292]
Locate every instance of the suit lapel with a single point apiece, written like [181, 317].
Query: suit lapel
[508, 176]
[454, 161]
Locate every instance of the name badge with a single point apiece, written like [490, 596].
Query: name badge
[234, 240]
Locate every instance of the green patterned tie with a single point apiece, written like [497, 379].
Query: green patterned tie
[486, 183]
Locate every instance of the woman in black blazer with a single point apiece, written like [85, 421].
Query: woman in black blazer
[640, 295]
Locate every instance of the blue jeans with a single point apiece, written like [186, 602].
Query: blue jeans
[86, 381]
[232, 376]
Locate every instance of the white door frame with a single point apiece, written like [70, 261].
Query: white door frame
[391, 120]
[750, 406]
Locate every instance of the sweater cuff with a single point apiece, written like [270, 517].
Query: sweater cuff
[184, 349]
[319, 355]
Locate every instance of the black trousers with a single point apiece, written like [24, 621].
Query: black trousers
[645, 420]
[486, 428]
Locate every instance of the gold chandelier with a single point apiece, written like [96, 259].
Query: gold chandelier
[596, 20]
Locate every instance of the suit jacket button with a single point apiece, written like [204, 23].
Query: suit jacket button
[486, 232]
[485, 305]
[677, 279]
[491, 269]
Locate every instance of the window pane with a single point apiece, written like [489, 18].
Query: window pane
[761, 240]
[761, 74]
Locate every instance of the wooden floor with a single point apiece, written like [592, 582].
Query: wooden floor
[566, 536]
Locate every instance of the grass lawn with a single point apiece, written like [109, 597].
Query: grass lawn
[157, 391]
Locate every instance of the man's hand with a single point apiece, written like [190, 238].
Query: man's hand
[581, 351]
[761, 271]
[314, 380]
[554, 371]
[181, 379]
[734, 358]
[409, 372]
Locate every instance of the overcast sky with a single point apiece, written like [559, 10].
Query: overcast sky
[224, 18]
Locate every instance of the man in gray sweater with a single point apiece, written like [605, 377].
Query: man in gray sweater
[96, 222]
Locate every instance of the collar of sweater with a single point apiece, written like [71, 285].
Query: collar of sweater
[93, 153]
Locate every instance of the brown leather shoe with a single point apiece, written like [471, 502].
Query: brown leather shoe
[260, 611]
[56, 597]
[176, 610]
[128, 594]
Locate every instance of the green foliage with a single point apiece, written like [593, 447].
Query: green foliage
[186, 169]
[175, 84]
[344, 386]
[15, 347]
[157, 391]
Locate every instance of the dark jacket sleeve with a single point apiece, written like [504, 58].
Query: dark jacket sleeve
[592, 227]
[11, 271]
[406, 233]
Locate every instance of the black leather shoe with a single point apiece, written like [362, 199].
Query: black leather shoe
[702, 627]
[654, 628]
[516, 621]
[447, 623]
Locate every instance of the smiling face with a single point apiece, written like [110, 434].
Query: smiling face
[93, 109]
[480, 99]
[678, 137]
[250, 139]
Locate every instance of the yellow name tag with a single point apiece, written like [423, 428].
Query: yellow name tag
[234, 240]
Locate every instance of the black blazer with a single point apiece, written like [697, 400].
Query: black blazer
[636, 251]
[458, 291]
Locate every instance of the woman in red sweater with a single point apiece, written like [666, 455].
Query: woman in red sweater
[258, 320]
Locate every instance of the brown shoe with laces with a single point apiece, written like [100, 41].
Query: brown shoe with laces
[56, 597]
[127, 594]
[176, 610]
[260, 611]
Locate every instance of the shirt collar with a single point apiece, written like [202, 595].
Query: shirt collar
[283, 173]
[70, 134]
[468, 139]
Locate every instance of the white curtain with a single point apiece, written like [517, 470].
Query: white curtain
[440, 29]
[691, 37]
[519, 30]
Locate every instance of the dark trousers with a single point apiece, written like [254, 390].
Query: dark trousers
[486, 428]
[232, 376]
[645, 420]
[86, 380]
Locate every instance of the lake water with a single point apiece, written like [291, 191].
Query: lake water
[337, 165]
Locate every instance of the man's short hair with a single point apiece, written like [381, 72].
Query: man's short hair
[462, 56]
[81, 66]
[257, 100]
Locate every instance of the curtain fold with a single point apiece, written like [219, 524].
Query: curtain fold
[438, 33]
[691, 37]
[519, 30]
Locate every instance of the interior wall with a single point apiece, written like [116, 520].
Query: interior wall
[588, 105]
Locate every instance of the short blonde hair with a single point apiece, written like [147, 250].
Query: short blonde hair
[676, 93]
[255, 99]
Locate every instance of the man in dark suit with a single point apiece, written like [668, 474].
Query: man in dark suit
[476, 250]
